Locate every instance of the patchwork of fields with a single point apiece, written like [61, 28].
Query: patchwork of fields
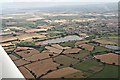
[83, 60]
[61, 45]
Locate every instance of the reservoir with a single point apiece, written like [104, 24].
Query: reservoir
[112, 47]
[63, 39]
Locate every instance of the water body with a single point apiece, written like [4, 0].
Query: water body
[63, 39]
[112, 47]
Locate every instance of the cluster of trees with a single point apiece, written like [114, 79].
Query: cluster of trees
[40, 22]
[31, 44]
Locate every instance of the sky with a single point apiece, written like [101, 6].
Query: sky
[3, 1]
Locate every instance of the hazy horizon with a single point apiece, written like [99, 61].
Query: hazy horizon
[2, 1]
[59, 6]
[48, 4]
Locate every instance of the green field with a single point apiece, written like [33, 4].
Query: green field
[99, 50]
[54, 33]
[87, 65]
[69, 43]
[42, 48]
[109, 71]
[65, 61]
[82, 54]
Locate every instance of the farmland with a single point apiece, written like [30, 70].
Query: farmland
[65, 61]
[99, 50]
[87, 66]
[82, 54]
[108, 58]
[106, 70]
[62, 44]
[61, 72]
